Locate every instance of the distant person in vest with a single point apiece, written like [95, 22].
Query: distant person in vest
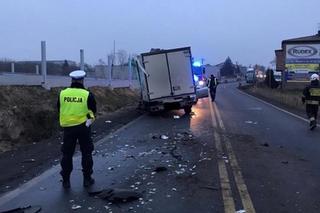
[311, 97]
[213, 83]
[77, 107]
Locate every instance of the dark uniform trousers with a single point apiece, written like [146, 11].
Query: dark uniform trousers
[72, 135]
[312, 110]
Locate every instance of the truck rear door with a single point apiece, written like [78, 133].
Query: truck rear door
[158, 81]
[181, 74]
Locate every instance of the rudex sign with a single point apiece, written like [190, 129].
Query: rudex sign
[303, 54]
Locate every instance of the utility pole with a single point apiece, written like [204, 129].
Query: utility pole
[82, 59]
[114, 51]
[43, 62]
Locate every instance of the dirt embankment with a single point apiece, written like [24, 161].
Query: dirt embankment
[29, 114]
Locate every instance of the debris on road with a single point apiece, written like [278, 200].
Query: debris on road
[75, 207]
[210, 187]
[164, 137]
[117, 195]
[251, 122]
[265, 144]
[31, 160]
[160, 169]
[108, 122]
[241, 211]
[176, 116]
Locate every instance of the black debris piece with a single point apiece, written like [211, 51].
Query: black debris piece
[160, 169]
[117, 195]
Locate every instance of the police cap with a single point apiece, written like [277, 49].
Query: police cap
[77, 74]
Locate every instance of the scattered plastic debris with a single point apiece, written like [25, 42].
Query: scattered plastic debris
[241, 211]
[31, 160]
[75, 207]
[205, 159]
[181, 171]
[251, 122]
[108, 122]
[164, 137]
[176, 116]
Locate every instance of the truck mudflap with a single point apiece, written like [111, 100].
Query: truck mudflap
[170, 104]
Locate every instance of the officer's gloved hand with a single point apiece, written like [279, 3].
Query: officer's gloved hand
[89, 122]
[303, 99]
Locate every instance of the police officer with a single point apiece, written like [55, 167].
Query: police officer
[311, 96]
[213, 83]
[77, 107]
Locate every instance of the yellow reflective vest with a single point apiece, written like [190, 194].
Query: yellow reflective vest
[74, 107]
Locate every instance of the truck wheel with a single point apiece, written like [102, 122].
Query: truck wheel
[187, 109]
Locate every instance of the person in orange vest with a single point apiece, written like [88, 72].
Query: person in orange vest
[77, 108]
[311, 97]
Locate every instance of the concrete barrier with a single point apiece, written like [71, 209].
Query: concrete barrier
[61, 81]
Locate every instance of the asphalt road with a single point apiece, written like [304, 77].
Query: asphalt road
[234, 154]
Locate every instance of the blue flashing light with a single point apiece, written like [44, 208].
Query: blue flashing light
[197, 64]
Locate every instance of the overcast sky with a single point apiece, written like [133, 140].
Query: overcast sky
[246, 30]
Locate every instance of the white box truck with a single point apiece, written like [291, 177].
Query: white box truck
[166, 80]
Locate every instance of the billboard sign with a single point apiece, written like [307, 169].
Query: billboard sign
[301, 72]
[303, 54]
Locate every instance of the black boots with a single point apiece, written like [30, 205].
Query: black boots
[88, 181]
[313, 124]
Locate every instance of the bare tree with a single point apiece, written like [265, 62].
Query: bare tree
[122, 57]
[101, 62]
